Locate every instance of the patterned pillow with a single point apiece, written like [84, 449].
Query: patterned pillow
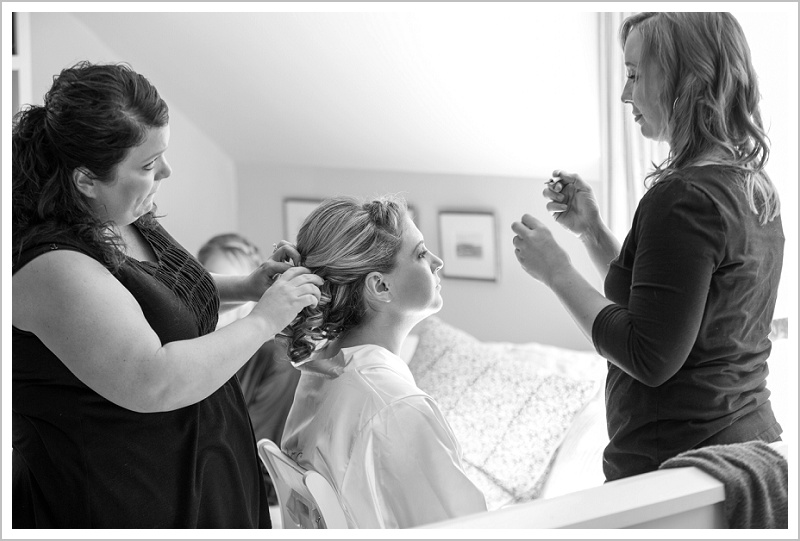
[510, 405]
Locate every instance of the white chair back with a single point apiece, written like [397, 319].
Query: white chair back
[305, 498]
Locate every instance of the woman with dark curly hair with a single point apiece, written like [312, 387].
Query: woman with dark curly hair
[690, 294]
[126, 409]
[358, 417]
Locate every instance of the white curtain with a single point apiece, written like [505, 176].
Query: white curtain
[626, 155]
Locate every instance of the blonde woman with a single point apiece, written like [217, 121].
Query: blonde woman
[689, 296]
[358, 417]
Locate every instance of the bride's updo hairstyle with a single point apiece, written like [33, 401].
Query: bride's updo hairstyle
[343, 240]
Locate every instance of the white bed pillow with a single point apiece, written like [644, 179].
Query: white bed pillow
[510, 405]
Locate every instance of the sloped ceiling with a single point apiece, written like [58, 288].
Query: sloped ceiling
[457, 91]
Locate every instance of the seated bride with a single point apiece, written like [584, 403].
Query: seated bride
[358, 417]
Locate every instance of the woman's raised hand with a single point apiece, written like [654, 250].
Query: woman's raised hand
[291, 291]
[537, 251]
[284, 256]
[572, 202]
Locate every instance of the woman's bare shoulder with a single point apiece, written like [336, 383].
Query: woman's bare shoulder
[53, 282]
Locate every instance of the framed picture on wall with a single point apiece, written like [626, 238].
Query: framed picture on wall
[295, 210]
[468, 245]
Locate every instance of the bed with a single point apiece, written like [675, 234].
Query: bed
[530, 419]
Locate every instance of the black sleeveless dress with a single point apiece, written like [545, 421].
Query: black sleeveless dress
[80, 461]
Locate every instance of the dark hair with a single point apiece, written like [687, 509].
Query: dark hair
[92, 116]
[709, 95]
[235, 246]
[343, 240]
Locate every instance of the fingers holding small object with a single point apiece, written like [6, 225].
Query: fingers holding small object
[302, 275]
[554, 185]
[302, 284]
[554, 207]
[293, 272]
[315, 280]
[309, 293]
[555, 182]
[553, 190]
[285, 251]
[565, 177]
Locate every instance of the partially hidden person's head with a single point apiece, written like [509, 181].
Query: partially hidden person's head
[374, 262]
[230, 253]
[692, 84]
[93, 118]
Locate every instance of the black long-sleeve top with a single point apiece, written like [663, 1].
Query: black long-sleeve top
[687, 341]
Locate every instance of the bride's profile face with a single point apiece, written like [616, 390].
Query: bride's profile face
[415, 282]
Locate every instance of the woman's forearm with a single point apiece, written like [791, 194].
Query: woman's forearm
[226, 350]
[582, 301]
[602, 246]
[192, 370]
[234, 289]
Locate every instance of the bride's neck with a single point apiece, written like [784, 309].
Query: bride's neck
[388, 335]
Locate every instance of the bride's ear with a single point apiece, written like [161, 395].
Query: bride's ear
[85, 182]
[377, 289]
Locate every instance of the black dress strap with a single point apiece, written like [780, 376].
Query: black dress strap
[34, 251]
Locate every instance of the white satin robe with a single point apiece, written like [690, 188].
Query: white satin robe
[361, 422]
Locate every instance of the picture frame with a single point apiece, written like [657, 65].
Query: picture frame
[468, 244]
[295, 210]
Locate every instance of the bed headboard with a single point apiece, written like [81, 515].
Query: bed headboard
[673, 498]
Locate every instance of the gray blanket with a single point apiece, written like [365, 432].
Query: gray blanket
[755, 476]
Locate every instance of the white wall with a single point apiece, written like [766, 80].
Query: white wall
[199, 199]
[515, 308]
[203, 197]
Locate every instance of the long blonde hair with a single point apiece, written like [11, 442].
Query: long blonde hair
[710, 97]
[343, 240]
